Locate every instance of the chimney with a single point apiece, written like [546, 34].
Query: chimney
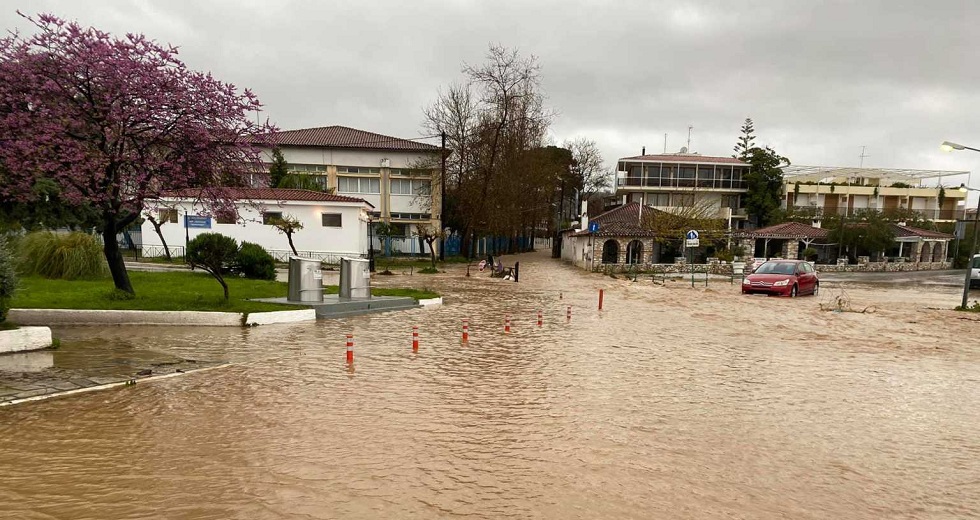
[643, 151]
[585, 215]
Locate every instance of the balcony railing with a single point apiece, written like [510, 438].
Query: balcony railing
[890, 213]
[656, 182]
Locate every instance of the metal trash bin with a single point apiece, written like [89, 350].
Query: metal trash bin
[355, 278]
[305, 280]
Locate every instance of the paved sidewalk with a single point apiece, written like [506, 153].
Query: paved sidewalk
[83, 365]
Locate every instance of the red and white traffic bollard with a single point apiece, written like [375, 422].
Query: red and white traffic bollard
[507, 323]
[415, 338]
[350, 348]
[539, 317]
[568, 313]
[466, 329]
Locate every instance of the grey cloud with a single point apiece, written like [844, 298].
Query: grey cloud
[820, 78]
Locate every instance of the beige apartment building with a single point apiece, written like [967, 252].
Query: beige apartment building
[828, 190]
[394, 175]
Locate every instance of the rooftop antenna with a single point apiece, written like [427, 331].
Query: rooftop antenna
[863, 155]
[689, 128]
[665, 143]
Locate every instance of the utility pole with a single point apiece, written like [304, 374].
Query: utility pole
[442, 202]
[862, 156]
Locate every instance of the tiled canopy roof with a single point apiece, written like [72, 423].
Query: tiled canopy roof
[786, 230]
[798, 230]
[687, 157]
[346, 137]
[908, 231]
[282, 194]
[624, 221]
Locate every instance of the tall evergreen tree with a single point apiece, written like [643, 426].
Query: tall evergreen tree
[278, 170]
[765, 184]
[746, 141]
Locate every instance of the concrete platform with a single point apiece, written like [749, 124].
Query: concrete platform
[334, 307]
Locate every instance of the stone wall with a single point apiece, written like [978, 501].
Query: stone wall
[726, 269]
[889, 267]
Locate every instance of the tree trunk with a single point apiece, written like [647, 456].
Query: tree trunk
[224, 285]
[156, 227]
[432, 251]
[114, 257]
[289, 237]
[464, 246]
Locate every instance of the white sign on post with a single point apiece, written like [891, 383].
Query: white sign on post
[693, 239]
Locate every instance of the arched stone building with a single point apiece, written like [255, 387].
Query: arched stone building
[621, 239]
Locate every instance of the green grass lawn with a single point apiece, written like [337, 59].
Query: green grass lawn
[166, 291]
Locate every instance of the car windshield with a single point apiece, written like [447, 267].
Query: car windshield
[976, 262]
[776, 268]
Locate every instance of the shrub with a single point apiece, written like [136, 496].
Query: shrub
[255, 262]
[214, 253]
[8, 279]
[66, 256]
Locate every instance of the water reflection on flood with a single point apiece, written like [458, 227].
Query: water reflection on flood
[671, 403]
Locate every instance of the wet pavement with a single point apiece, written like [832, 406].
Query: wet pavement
[83, 364]
[671, 402]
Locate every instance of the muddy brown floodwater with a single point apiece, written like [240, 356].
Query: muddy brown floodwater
[672, 402]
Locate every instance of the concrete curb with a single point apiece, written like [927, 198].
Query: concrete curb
[431, 303]
[24, 338]
[112, 317]
[266, 318]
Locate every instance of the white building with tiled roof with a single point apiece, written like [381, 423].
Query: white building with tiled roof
[334, 226]
[395, 175]
[674, 182]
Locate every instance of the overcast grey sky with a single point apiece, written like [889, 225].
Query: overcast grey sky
[819, 78]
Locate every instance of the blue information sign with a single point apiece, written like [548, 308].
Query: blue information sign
[197, 221]
[593, 226]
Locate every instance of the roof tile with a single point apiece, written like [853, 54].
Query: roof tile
[281, 194]
[346, 137]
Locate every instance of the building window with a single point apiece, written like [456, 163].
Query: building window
[331, 219]
[357, 169]
[411, 216]
[410, 186]
[271, 217]
[168, 215]
[407, 171]
[358, 185]
[658, 199]
[306, 168]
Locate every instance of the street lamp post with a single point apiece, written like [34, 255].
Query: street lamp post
[973, 247]
[949, 147]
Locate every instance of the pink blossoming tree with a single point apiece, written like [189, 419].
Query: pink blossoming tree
[119, 123]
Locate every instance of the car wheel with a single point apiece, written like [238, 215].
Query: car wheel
[792, 292]
[816, 289]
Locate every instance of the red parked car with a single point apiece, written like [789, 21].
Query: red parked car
[782, 278]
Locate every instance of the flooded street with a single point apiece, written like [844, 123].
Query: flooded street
[672, 402]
